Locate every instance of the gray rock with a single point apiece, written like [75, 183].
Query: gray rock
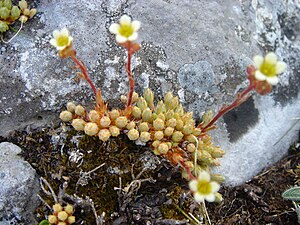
[208, 42]
[18, 187]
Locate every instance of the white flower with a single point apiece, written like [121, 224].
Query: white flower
[203, 188]
[268, 68]
[125, 30]
[61, 39]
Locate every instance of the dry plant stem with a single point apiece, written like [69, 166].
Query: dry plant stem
[130, 77]
[15, 35]
[51, 193]
[84, 71]
[241, 97]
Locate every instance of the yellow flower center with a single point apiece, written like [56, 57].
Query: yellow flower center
[62, 40]
[126, 30]
[268, 69]
[204, 187]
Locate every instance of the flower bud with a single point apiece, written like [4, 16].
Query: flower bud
[3, 26]
[204, 156]
[94, 116]
[141, 103]
[133, 134]
[62, 215]
[26, 12]
[69, 209]
[23, 4]
[156, 143]
[215, 162]
[57, 207]
[52, 219]
[114, 114]
[104, 135]
[71, 107]
[191, 147]
[123, 99]
[136, 112]
[168, 97]
[23, 19]
[71, 219]
[171, 122]
[115, 131]
[91, 128]
[105, 121]
[173, 103]
[217, 152]
[78, 124]
[15, 12]
[147, 115]
[149, 97]
[177, 136]
[32, 13]
[218, 198]
[121, 122]
[4, 13]
[160, 108]
[143, 127]
[187, 129]
[130, 125]
[179, 110]
[169, 114]
[168, 131]
[161, 116]
[158, 135]
[179, 124]
[145, 136]
[79, 110]
[163, 148]
[135, 97]
[191, 138]
[219, 178]
[158, 124]
[197, 131]
[66, 116]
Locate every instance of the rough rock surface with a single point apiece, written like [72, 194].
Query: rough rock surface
[18, 189]
[183, 43]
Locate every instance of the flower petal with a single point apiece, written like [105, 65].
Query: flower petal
[136, 25]
[204, 176]
[120, 38]
[258, 61]
[198, 197]
[259, 76]
[193, 185]
[53, 42]
[59, 48]
[214, 186]
[273, 80]
[64, 32]
[271, 58]
[280, 67]
[56, 33]
[210, 198]
[125, 19]
[70, 40]
[133, 37]
[114, 28]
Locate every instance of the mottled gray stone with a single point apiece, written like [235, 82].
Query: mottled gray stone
[18, 187]
[197, 49]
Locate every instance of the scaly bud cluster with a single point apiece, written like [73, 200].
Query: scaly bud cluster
[62, 215]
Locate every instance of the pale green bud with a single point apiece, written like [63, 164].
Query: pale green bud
[135, 97]
[104, 135]
[133, 134]
[168, 97]
[71, 219]
[179, 124]
[158, 135]
[105, 121]
[91, 128]
[147, 115]
[7, 4]
[114, 114]
[15, 12]
[217, 153]
[121, 122]
[123, 99]
[204, 156]
[141, 103]
[179, 110]
[32, 13]
[94, 116]
[130, 125]
[219, 178]
[169, 131]
[173, 103]
[57, 207]
[160, 108]
[169, 144]
[169, 114]
[161, 116]
[171, 122]
[66, 116]
[177, 136]
[215, 162]
[115, 131]
[145, 136]
[71, 107]
[68, 209]
[136, 112]
[207, 117]
[3, 26]
[52, 219]
[23, 19]
[23, 4]
[78, 124]
[156, 143]
[197, 131]
[218, 198]
[26, 12]
[143, 127]
[188, 129]
[79, 110]
[191, 147]
[149, 97]
[158, 124]
[191, 138]
[163, 148]
[4, 13]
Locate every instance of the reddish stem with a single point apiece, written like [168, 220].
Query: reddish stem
[84, 72]
[187, 169]
[130, 77]
[239, 100]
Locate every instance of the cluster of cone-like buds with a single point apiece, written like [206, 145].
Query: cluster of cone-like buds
[62, 215]
[10, 13]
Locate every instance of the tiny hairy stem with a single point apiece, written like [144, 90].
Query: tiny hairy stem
[240, 98]
[130, 77]
[84, 71]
